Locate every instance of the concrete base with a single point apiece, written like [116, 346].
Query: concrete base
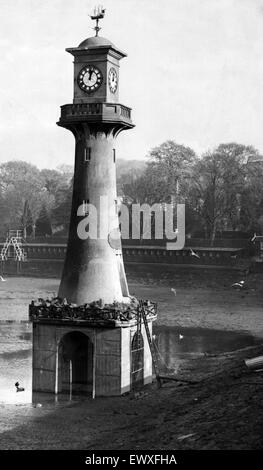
[95, 361]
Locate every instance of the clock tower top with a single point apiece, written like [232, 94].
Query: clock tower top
[96, 67]
[96, 84]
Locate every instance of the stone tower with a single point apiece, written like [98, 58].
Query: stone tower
[93, 267]
[91, 338]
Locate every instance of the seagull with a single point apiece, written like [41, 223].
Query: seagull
[2, 279]
[253, 238]
[19, 389]
[180, 337]
[234, 256]
[174, 291]
[239, 285]
[192, 253]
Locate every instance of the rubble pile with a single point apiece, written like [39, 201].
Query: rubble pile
[61, 309]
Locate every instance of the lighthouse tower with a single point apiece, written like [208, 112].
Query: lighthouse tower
[91, 338]
[93, 267]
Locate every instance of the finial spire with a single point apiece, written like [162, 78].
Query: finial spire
[98, 14]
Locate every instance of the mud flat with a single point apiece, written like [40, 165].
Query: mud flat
[221, 408]
[215, 403]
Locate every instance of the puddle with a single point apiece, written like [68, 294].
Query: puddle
[175, 345]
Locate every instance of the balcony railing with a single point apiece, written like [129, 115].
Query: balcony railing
[103, 111]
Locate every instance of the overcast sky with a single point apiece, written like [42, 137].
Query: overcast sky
[194, 73]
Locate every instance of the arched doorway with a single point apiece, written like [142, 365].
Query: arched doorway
[75, 369]
[137, 362]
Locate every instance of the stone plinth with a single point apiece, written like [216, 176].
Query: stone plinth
[92, 356]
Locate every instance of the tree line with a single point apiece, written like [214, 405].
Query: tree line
[34, 201]
[222, 190]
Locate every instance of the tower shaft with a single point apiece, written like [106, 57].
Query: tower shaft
[93, 267]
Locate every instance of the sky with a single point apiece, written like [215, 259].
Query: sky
[194, 73]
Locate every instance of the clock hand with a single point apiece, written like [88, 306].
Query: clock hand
[90, 74]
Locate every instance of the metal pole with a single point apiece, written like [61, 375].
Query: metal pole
[70, 379]
[94, 365]
[56, 372]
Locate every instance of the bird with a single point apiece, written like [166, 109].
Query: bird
[180, 336]
[174, 291]
[253, 238]
[234, 256]
[2, 279]
[192, 253]
[19, 389]
[239, 285]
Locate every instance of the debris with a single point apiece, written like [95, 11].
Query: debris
[239, 285]
[2, 279]
[140, 394]
[185, 436]
[255, 362]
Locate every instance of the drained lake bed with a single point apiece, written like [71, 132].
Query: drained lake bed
[200, 315]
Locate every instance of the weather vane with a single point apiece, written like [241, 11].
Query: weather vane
[97, 15]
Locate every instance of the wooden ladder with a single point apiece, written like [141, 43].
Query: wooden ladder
[153, 352]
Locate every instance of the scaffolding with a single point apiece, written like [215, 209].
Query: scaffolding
[13, 247]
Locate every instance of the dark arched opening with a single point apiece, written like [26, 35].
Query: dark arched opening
[75, 369]
[137, 363]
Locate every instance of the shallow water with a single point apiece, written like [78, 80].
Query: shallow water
[176, 344]
[173, 343]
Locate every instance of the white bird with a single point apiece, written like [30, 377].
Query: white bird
[239, 285]
[180, 336]
[2, 279]
[174, 291]
[253, 238]
[192, 253]
[233, 256]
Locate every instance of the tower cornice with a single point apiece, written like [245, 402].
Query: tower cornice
[94, 50]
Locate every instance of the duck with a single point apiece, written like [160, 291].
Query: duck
[19, 389]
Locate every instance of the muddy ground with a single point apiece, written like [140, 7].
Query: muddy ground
[215, 403]
[221, 407]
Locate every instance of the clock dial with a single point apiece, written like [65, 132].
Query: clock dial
[113, 80]
[90, 78]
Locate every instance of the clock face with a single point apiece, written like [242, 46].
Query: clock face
[113, 80]
[90, 78]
